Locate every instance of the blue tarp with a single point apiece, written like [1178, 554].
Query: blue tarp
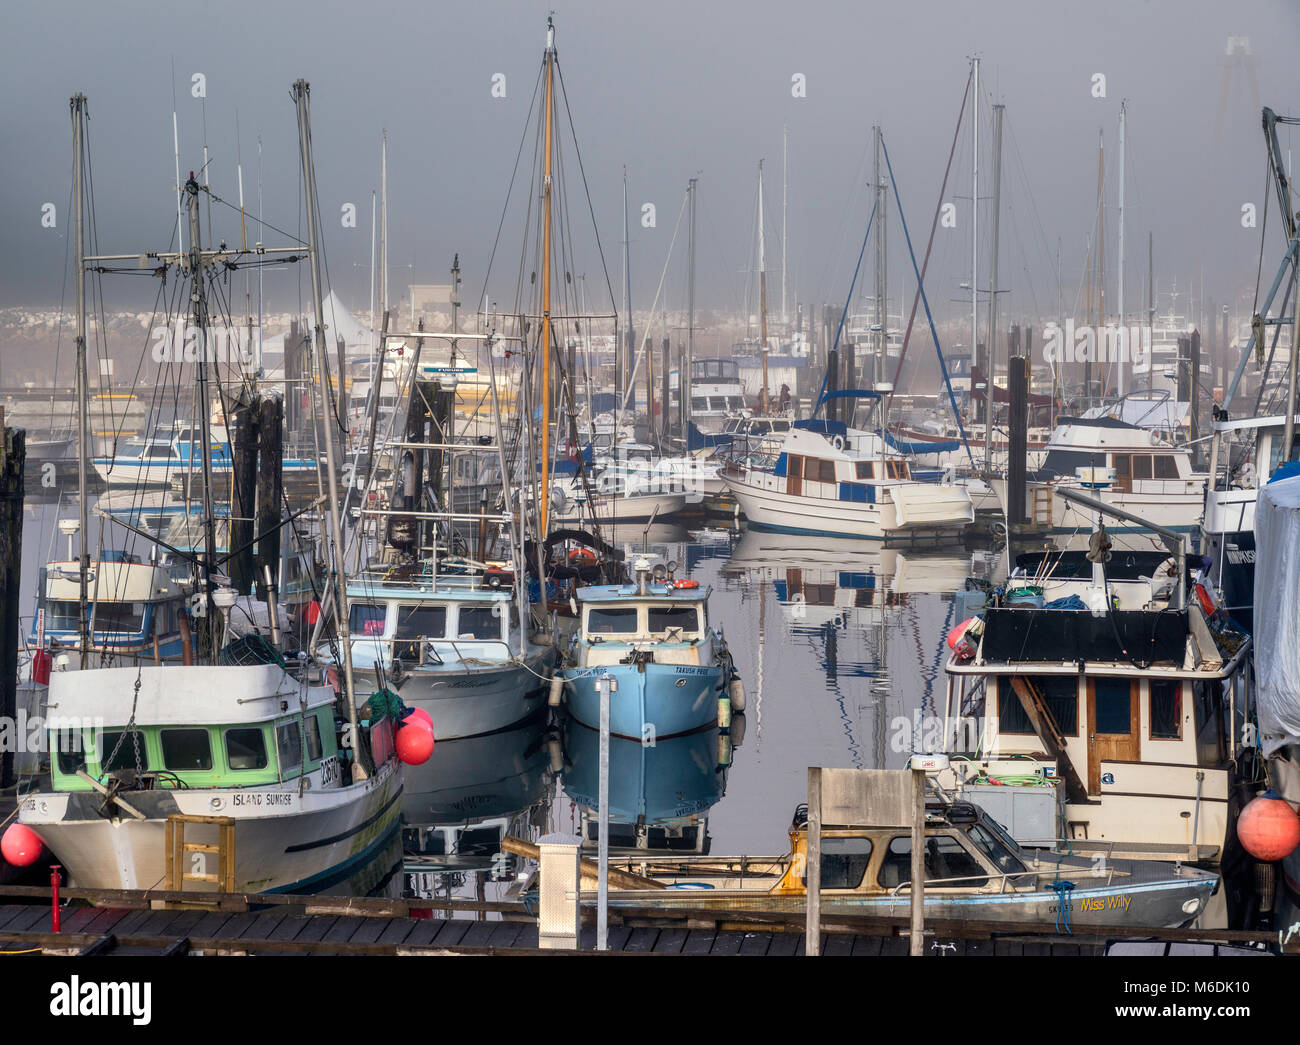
[697, 440]
[913, 449]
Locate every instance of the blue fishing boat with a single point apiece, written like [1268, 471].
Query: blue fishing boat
[670, 668]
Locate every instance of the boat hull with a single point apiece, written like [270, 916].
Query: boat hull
[470, 701]
[652, 701]
[928, 518]
[285, 842]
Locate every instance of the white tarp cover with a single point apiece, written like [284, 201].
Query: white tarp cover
[1277, 613]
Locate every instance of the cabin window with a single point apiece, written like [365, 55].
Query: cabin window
[684, 618]
[288, 742]
[246, 748]
[896, 469]
[794, 466]
[366, 619]
[479, 622]
[844, 862]
[603, 620]
[1123, 466]
[314, 751]
[118, 617]
[1112, 706]
[700, 403]
[1166, 709]
[991, 846]
[118, 750]
[819, 471]
[1166, 466]
[70, 749]
[61, 615]
[1060, 695]
[1141, 466]
[866, 470]
[421, 622]
[946, 862]
[186, 749]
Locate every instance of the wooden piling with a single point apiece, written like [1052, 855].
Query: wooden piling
[243, 425]
[270, 450]
[11, 544]
[1017, 438]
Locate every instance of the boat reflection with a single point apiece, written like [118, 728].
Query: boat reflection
[660, 794]
[458, 805]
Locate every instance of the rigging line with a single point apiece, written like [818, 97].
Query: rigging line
[573, 133]
[646, 344]
[934, 225]
[844, 314]
[943, 366]
[510, 189]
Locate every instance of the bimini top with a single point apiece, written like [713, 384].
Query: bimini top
[681, 591]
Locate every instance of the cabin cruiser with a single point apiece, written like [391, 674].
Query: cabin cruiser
[1127, 467]
[1121, 726]
[834, 480]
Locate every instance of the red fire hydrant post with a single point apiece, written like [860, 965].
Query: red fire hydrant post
[54, 897]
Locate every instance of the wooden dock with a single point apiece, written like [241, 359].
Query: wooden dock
[233, 924]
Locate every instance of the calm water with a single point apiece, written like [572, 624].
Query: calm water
[838, 643]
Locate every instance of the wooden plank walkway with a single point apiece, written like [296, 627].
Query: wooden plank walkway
[87, 931]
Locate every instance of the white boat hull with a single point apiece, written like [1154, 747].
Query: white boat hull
[284, 841]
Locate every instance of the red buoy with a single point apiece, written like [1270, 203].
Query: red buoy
[20, 845]
[1268, 827]
[419, 717]
[414, 745]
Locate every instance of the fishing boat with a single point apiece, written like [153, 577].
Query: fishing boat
[238, 769]
[245, 758]
[669, 666]
[450, 643]
[974, 871]
[834, 480]
[136, 610]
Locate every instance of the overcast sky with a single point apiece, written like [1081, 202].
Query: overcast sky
[670, 90]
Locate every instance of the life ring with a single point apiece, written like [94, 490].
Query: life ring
[685, 584]
[837, 441]
[584, 554]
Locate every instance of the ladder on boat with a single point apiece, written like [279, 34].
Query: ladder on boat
[177, 851]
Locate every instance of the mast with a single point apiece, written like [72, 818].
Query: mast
[762, 291]
[302, 97]
[975, 225]
[1101, 248]
[78, 105]
[785, 190]
[383, 224]
[202, 407]
[1123, 333]
[882, 290]
[684, 379]
[623, 354]
[1151, 298]
[545, 487]
[992, 353]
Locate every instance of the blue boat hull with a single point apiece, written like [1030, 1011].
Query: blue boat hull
[653, 701]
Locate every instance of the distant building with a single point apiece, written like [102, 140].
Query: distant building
[431, 297]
